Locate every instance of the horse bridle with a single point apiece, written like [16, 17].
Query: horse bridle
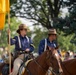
[39, 65]
[52, 70]
[43, 67]
[44, 70]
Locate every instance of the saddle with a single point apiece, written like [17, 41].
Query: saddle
[23, 67]
[26, 61]
[17, 53]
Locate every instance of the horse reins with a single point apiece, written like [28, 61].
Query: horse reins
[43, 67]
[39, 65]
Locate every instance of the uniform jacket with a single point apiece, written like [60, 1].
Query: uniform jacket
[42, 45]
[24, 43]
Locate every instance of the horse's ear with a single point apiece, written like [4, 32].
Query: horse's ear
[47, 48]
[57, 47]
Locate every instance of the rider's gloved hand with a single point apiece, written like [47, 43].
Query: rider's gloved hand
[27, 50]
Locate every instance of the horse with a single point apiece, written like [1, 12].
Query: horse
[69, 67]
[41, 64]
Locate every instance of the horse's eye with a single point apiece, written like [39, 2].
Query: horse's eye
[52, 57]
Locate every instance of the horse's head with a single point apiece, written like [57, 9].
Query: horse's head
[53, 61]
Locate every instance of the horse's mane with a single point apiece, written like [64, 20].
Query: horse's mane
[69, 61]
[40, 56]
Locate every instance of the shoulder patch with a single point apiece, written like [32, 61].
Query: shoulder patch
[33, 45]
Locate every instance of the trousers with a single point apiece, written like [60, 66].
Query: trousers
[17, 63]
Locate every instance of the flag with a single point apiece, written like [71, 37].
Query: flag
[7, 6]
[4, 8]
[2, 20]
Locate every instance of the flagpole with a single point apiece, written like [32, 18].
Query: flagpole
[9, 51]
[9, 43]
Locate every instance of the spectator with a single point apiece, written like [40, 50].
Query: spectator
[67, 56]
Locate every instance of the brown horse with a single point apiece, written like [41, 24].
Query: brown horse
[41, 64]
[69, 67]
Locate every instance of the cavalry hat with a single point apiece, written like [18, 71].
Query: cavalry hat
[52, 31]
[22, 26]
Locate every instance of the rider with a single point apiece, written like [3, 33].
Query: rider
[67, 56]
[50, 41]
[22, 43]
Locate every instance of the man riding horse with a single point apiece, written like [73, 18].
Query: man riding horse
[22, 44]
[49, 42]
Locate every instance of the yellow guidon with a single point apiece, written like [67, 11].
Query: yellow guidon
[4, 8]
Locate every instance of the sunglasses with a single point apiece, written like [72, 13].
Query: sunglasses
[53, 34]
[24, 29]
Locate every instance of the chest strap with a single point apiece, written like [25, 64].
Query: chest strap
[45, 44]
[19, 41]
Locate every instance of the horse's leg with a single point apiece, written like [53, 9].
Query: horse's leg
[17, 64]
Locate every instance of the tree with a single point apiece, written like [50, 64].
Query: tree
[72, 18]
[44, 12]
[38, 34]
[65, 41]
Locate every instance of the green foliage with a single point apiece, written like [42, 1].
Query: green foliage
[68, 24]
[13, 27]
[65, 41]
[38, 35]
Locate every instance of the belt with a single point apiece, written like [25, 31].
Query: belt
[21, 52]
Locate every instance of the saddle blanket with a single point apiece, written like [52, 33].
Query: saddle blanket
[22, 68]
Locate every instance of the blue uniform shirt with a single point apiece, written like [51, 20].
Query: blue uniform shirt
[24, 43]
[42, 45]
